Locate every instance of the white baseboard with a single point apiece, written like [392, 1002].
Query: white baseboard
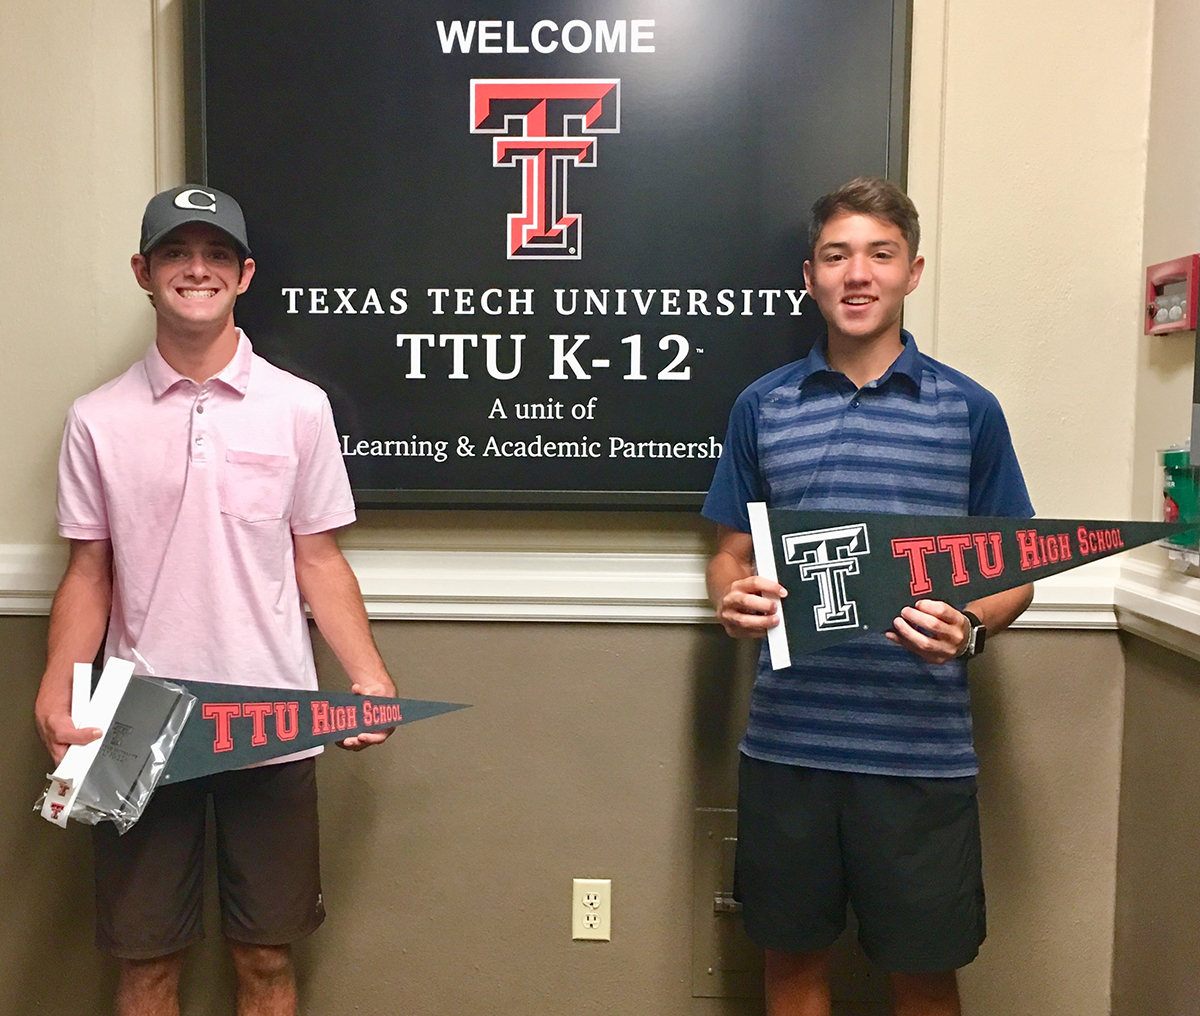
[1159, 604]
[29, 574]
[519, 586]
[637, 587]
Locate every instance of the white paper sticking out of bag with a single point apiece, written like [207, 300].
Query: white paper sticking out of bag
[87, 710]
[113, 777]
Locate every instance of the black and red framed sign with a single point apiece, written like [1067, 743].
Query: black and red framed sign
[533, 250]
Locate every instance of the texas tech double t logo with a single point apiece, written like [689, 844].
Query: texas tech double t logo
[545, 127]
[828, 556]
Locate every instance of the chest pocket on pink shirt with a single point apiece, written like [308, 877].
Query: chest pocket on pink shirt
[255, 486]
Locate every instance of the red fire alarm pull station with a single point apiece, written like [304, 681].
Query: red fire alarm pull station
[1171, 295]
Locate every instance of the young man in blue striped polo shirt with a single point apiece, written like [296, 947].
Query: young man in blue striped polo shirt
[857, 774]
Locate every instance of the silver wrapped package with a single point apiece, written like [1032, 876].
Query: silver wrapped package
[113, 781]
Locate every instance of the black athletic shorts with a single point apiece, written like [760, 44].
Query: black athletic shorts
[904, 852]
[150, 882]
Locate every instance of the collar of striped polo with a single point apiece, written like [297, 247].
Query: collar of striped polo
[907, 364]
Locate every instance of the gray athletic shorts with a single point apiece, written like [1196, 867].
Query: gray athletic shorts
[150, 882]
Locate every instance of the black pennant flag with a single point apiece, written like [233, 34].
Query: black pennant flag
[232, 726]
[850, 573]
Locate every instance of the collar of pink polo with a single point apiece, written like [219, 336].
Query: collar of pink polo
[235, 374]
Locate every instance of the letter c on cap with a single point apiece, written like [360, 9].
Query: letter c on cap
[186, 199]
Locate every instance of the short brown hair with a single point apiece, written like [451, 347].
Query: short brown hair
[873, 196]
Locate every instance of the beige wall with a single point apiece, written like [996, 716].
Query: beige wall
[1031, 173]
[1036, 143]
[1171, 230]
[1048, 738]
[448, 855]
[1156, 965]
[76, 165]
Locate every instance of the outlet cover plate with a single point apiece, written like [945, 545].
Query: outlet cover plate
[591, 910]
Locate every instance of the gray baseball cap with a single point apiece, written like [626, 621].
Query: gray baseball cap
[192, 203]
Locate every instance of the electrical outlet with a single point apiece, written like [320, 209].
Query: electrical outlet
[591, 914]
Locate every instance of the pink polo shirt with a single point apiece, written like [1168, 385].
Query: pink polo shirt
[200, 488]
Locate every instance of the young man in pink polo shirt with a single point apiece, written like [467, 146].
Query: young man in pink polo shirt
[200, 491]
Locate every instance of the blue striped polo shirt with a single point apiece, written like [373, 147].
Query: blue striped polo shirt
[923, 439]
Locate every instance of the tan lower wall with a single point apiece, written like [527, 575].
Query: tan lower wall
[1156, 962]
[1047, 730]
[448, 854]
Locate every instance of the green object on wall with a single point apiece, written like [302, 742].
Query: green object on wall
[1181, 494]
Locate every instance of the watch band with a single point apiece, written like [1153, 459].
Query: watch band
[976, 638]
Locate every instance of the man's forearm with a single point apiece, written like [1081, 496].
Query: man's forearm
[723, 570]
[328, 583]
[77, 621]
[1000, 610]
[331, 590]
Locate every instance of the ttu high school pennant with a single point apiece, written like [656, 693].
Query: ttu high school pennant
[162, 731]
[850, 573]
[233, 726]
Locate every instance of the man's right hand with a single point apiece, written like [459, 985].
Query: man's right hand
[59, 733]
[750, 607]
[747, 605]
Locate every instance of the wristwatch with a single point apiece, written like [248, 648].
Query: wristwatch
[976, 638]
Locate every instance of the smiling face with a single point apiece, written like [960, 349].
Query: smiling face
[859, 276]
[194, 278]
